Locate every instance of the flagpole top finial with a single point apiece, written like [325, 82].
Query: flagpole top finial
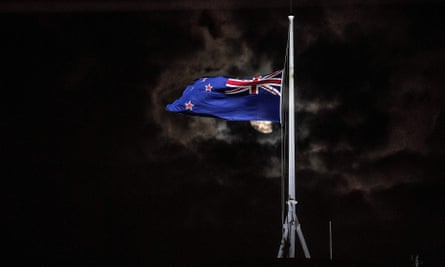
[291, 17]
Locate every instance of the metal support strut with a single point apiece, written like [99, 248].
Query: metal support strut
[290, 227]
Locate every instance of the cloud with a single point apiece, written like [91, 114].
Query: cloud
[220, 52]
[358, 104]
[368, 100]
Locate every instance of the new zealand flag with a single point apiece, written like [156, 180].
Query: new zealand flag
[232, 99]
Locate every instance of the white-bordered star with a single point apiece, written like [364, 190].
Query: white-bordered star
[189, 105]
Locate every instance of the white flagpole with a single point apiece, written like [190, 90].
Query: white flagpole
[291, 125]
[296, 226]
[291, 225]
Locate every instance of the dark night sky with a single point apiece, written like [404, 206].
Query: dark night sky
[97, 172]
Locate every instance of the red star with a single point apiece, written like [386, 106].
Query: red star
[209, 87]
[189, 105]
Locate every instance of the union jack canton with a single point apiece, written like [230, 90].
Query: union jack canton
[270, 82]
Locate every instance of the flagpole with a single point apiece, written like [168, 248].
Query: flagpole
[291, 125]
[291, 225]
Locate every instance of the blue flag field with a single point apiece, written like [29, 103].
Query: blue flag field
[258, 98]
